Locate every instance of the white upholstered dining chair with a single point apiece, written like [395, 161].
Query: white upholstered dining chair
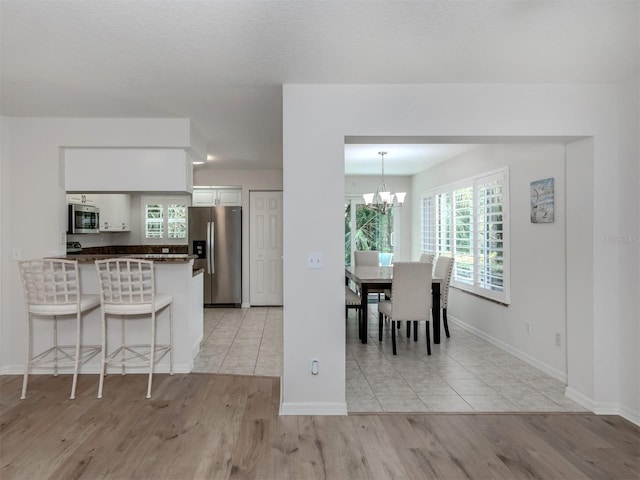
[427, 257]
[352, 300]
[52, 290]
[127, 290]
[444, 270]
[411, 300]
[368, 258]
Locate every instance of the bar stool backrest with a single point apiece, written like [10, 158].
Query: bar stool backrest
[50, 282]
[126, 281]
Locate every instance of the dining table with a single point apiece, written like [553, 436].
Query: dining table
[377, 278]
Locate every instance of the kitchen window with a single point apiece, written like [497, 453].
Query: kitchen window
[469, 220]
[164, 219]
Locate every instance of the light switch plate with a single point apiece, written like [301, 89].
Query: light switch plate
[314, 260]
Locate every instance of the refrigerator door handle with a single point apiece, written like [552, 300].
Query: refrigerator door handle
[211, 267]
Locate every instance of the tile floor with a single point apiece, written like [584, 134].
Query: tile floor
[464, 373]
[245, 341]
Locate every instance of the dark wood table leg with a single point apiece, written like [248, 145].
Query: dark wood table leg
[435, 309]
[364, 291]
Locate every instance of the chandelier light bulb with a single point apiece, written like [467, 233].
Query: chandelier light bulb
[382, 200]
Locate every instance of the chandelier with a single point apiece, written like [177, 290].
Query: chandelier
[382, 200]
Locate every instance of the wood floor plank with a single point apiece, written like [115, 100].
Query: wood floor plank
[342, 452]
[525, 455]
[409, 445]
[303, 455]
[591, 454]
[382, 458]
[251, 459]
[203, 426]
[121, 446]
[461, 454]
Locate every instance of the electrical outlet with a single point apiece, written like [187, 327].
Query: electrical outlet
[558, 339]
[528, 326]
[315, 367]
[165, 250]
[17, 254]
[314, 260]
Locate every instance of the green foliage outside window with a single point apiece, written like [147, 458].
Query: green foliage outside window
[373, 231]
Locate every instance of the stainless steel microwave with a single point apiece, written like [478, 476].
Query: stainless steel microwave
[83, 219]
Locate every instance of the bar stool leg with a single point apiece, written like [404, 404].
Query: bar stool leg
[55, 346]
[27, 360]
[104, 354]
[77, 359]
[123, 340]
[171, 338]
[153, 351]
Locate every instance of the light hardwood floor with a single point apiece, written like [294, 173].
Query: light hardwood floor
[213, 426]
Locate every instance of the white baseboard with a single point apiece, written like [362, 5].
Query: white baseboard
[603, 408]
[631, 415]
[313, 408]
[549, 370]
[580, 399]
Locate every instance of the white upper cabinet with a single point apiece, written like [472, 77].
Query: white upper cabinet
[203, 197]
[83, 198]
[207, 197]
[115, 212]
[128, 170]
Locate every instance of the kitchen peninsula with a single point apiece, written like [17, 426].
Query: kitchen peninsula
[174, 275]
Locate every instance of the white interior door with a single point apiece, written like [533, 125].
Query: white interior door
[265, 251]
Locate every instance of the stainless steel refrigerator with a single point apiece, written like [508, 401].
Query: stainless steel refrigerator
[215, 236]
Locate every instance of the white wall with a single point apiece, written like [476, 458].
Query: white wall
[249, 180]
[316, 120]
[580, 246]
[626, 243]
[360, 184]
[537, 256]
[5, 204]
[34, 212]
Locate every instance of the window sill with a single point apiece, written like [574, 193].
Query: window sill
[474, 294]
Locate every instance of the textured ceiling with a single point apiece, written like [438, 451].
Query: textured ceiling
[223, 63]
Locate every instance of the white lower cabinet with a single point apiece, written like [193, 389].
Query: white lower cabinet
[115, 212]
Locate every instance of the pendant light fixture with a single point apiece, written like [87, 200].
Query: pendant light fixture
[382, 200]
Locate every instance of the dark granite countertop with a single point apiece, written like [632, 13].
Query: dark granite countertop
[156, 257]
[157, 253]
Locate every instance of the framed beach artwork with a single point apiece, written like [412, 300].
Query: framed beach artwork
[542, 202]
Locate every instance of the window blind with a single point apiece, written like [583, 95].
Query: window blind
[468, 220]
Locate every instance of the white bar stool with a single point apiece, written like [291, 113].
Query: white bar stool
[52, 289]
[127, 288]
